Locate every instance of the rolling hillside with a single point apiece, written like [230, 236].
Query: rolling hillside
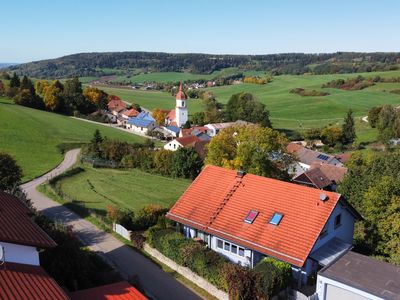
[32, 136]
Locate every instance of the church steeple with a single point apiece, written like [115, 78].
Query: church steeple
[181, 111]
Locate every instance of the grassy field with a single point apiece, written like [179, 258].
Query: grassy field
[131, 189]
[291, 111]
[164, 77]
[32, 136]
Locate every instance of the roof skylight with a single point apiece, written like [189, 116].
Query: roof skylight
[251, 216]
[276, 219]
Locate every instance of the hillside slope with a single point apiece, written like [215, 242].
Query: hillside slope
[132, 63]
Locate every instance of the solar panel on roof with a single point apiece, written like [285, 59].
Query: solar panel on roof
[323, 157]
[276, 219]
[251, 216]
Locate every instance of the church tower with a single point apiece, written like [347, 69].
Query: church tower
[181, 111]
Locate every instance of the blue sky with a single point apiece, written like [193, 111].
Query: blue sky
[34, 30]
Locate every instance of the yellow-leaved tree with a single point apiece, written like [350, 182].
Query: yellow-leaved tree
[255, 149]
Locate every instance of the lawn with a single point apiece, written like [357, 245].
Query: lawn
[131, 189]
[32, 136]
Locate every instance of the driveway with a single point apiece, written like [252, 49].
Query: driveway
[156, 283]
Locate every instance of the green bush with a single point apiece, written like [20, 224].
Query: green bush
[148, 216]
[271, 276]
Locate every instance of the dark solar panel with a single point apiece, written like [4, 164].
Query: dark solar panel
[251, 216]
[323, 157]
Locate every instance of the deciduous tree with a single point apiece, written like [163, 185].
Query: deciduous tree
[255, 149]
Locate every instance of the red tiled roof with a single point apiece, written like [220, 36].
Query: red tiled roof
[16, 226]
[188, 140]
[131, 113]
[343, 157]
[19, 281]
[198, 129]
[334, 173]
[180, 95]
[116, 105]
[171, 115]
[115, 291]
[304, 214]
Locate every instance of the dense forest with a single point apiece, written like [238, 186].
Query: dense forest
[111, 63]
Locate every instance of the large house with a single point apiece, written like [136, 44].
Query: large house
[247, 217]
[182, 142]
[142, 123]
[116, 107]
[306, 157]
[21, 276]
[178, 116]
[359, 277]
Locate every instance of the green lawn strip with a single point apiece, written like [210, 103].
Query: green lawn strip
[33, 136]
[96, 188]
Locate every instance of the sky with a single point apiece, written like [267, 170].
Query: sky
[42, 29]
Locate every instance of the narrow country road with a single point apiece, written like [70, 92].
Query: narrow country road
[156, 283]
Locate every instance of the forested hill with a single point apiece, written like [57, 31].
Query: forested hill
[110, 63]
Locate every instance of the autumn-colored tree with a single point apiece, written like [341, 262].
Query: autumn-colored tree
[159, 115]
[255, 149]
[41, 86]
[331, 135]
[96, 96]
[53, 98]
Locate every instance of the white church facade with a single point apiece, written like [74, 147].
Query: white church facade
[179, 116]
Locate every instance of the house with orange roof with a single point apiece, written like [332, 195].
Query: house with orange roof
[245, 218]
[182, 142]
[116, 106]
[21, 276]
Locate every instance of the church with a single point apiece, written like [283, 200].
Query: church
[178, 116]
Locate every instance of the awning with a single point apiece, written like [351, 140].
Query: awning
[330, 251]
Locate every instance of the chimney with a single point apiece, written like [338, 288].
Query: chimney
[323, 197]
[240, 173]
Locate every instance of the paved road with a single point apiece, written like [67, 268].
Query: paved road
[157, 283]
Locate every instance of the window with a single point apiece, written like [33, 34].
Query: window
[219, 244]
[227, 246]
[276, 219]
[324, 231]
[234, 249]
[183, 103]
[251, 216]
[338, 220]
[241, 251]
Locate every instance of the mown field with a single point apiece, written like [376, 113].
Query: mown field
[130, 189]
[32, 136]
[292, 111]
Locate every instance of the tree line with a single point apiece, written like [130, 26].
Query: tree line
[99, 64]
[67, 98]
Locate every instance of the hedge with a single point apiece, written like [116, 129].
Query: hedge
[268, 278]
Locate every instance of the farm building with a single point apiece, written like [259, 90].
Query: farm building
[116, 107]
[247, 217]
[356, 276]
[143, 123]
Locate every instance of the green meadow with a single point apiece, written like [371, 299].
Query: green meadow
[292, 111]
[130, 189]
[32, 136]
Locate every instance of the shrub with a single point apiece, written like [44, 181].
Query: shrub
[120, 216]
[148, 216]
[241, 282]
[137, 239]
[271, 276]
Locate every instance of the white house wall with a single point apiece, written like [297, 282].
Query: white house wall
[236, 258]
[329, 289]
[21, 254]
[172, 146]
[343, 232]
